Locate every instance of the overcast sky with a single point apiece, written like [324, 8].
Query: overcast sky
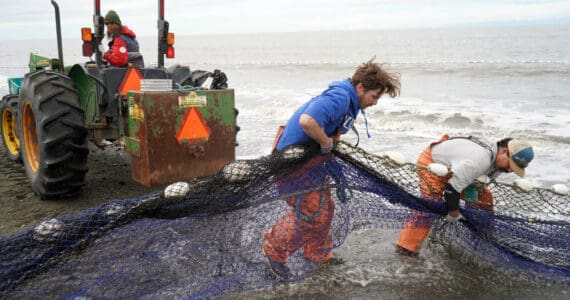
[31, 19]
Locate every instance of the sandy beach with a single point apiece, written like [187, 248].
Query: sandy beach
[109, 178]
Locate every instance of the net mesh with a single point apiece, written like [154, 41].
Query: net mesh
[203, 238]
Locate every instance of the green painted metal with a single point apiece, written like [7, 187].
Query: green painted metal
[38, 62]
[133, 120]
[224, 112]
[225, 102]
[133, 146]
[87, 89]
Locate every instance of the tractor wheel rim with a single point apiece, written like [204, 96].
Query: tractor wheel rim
[9, 133]
[30, 135]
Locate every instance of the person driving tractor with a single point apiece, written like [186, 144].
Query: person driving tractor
[123, 45]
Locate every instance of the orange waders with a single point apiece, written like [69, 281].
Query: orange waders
[307, 225]
[431, 188]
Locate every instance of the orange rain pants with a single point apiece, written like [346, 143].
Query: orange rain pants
[431, 188]
[292, 232]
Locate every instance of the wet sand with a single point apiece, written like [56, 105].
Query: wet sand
[109, 178]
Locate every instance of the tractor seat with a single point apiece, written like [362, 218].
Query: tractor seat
[135, 59]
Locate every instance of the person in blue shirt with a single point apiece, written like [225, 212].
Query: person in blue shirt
[321, 120]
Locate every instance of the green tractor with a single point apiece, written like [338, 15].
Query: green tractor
[51, 114]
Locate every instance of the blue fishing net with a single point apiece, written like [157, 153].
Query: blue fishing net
[203, 238]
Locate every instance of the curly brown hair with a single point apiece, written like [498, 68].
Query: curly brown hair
[374, 76]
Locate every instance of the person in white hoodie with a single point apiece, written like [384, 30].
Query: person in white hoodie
[467, 158]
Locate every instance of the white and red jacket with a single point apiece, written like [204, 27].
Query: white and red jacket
[120, 47]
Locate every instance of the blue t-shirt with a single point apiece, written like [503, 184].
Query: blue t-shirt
[334, 110]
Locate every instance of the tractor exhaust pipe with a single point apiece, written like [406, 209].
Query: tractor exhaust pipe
[99, 26]
[58, 29]
[162, 33]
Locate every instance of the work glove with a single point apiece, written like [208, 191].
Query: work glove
[102, 48]
[328, 149]
[451, 219]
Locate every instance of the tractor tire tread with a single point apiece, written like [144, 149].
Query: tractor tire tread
[61, 133]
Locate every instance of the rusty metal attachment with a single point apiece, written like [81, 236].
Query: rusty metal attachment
[174, 136]
[197, 151]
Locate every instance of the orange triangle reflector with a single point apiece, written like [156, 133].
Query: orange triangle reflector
[193, 129]
[131, 81]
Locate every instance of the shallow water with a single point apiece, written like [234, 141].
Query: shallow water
[371, 270]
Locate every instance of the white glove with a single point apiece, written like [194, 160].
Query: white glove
[102, 48]
[451, 219]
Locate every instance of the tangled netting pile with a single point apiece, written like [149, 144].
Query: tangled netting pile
[203, 238]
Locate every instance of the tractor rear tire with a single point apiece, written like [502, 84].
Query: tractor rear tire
[53, 135]
[8, 127]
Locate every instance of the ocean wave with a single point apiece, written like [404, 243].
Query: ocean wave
[486, 68]
[456, 123]
[467, 67]
[397, 119]
[542, 137]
